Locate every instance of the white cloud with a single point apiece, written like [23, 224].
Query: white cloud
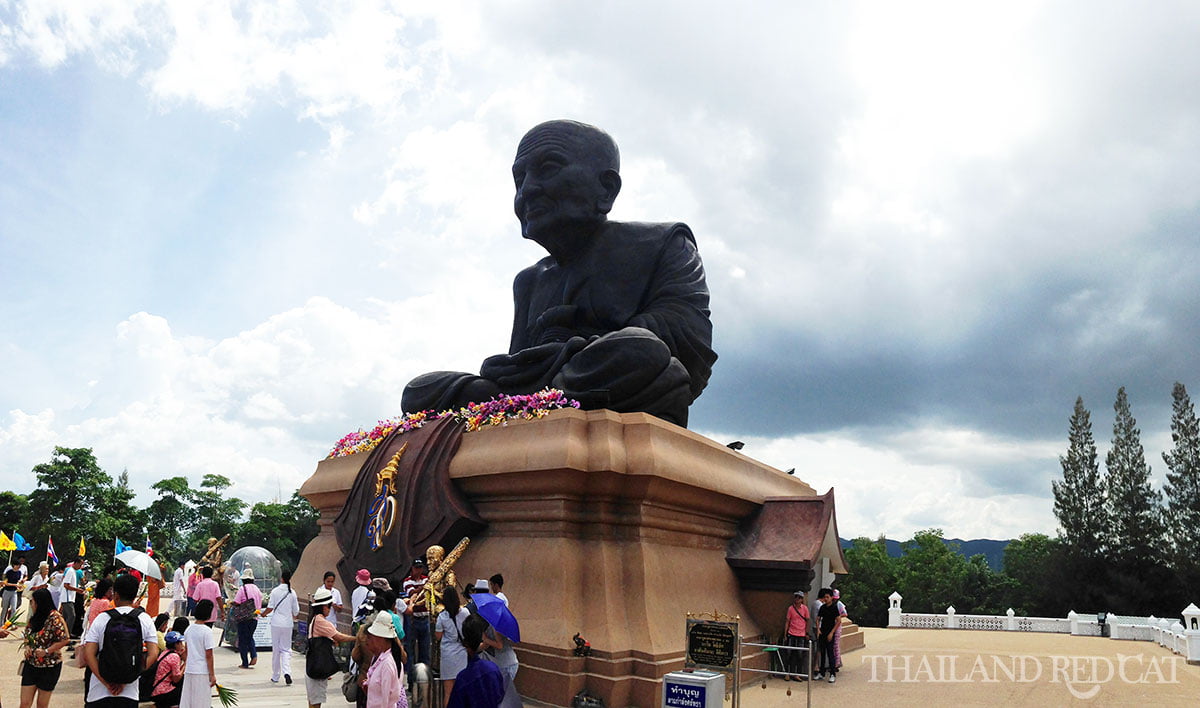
[52, 31]
[261, 407]
[912, 481]
[922, 194]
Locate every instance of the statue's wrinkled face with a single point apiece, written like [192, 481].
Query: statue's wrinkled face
[433, 556]
[558, 179]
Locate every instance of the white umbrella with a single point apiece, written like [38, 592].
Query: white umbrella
[141, 562]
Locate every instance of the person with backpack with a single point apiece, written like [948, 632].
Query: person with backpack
[199, 674]
[163, 682]
[118, 646]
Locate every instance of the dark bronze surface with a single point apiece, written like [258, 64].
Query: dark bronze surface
[616, 316]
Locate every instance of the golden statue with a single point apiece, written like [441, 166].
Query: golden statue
[441, 573]
[214, 553]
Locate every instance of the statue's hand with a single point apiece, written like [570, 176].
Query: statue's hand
[532, 368]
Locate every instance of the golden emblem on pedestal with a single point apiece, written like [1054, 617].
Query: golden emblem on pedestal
[381, 517]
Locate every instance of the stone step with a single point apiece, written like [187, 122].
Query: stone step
[852, 637]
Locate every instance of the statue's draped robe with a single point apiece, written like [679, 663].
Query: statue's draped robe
[429, 508]
[630, 311]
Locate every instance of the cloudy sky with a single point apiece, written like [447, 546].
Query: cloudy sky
[231, 231]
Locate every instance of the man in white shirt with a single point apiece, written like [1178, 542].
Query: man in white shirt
[69, 589]
[103, 693]
[329, 580]
[179, 591]
[283, 607]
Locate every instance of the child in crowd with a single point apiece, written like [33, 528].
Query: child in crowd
[200, 675]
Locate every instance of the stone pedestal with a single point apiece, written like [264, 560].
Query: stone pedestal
[610, 525]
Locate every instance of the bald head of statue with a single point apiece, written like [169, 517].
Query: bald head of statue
[566, 178]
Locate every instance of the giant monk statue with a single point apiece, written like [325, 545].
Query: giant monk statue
[616, 315]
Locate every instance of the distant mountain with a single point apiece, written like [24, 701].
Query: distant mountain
[991, 550]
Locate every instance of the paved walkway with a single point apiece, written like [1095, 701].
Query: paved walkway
[898, 667]
[929, 668]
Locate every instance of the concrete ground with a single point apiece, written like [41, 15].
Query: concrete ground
[928, 667]
[898, 667]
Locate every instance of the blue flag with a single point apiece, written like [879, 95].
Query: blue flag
[121, 548]
[22, 544]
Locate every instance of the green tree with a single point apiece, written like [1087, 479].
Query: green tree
[115, 516]
[1140, 582]
[170, 519]
[71, 487]
[1079, 497]
[14, 514]
[872, 579]
[1035, 565]
[1135, 522]
[985, 592]
[931, 575]
[217, 513]
[1182, 489]
[283, 529]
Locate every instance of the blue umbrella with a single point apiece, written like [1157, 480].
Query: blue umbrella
[493, 609]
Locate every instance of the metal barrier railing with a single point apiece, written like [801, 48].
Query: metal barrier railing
[778, 650]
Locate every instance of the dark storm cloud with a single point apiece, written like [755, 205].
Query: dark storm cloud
[1061, 334]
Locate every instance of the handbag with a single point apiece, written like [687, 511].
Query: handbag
[320, 662]
[350, 687]
[242, 611]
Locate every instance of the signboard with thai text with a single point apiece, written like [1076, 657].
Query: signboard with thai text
[711, 645]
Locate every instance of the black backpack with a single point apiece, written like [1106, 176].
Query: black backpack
[121, 659]
[146, 683]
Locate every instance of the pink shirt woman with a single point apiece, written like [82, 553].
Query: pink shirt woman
[797, 620]
[384, 689]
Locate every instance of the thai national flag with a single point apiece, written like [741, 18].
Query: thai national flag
[149, 547]
[51, 557]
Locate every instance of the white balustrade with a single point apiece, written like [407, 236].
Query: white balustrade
[1180, 636]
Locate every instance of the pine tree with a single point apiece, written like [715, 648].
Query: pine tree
[1079, 497]
[1183, 483]
[1135, 519]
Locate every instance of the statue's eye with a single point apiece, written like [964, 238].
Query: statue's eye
[549, 168]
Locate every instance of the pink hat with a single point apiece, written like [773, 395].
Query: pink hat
[363, 577]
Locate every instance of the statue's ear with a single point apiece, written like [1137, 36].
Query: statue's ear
[611, 181]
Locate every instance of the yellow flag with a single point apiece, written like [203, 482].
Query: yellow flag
[82, 548]
[6, 543]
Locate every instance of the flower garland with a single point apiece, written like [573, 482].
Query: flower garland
[474, 416]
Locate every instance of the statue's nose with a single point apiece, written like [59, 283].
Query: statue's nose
[530, 186]
[528, 190]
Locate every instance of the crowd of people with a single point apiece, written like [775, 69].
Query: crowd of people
[393, 630]
[129, 652]
[813, 636]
